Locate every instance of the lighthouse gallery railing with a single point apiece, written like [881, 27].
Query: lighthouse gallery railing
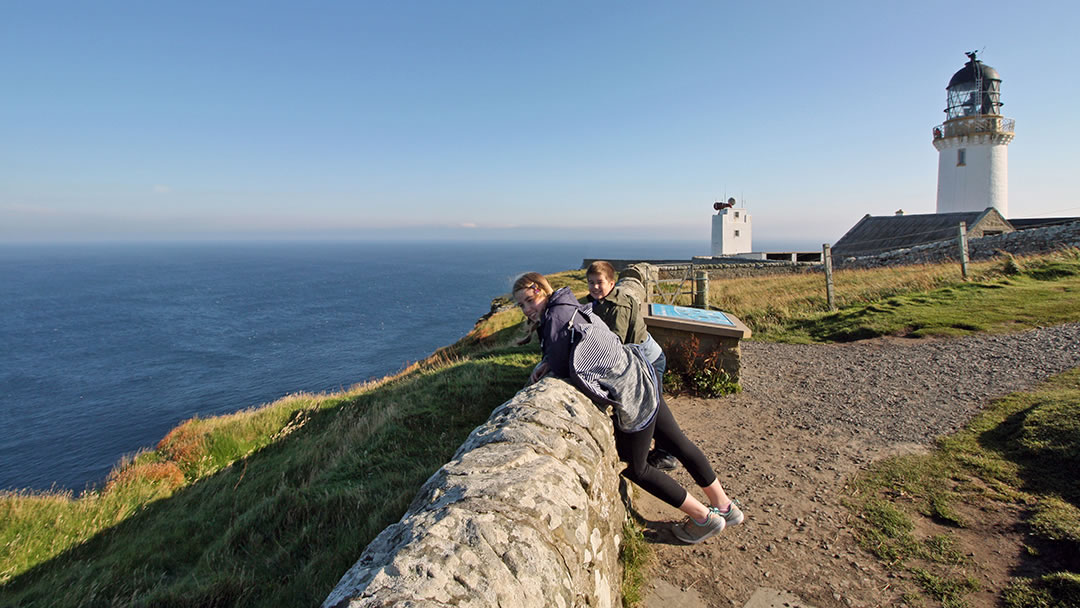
[970, 125]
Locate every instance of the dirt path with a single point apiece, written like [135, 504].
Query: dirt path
[809, 417]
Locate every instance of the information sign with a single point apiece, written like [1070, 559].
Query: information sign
[714, 317]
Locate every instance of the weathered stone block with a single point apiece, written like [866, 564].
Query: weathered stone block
[528, 513]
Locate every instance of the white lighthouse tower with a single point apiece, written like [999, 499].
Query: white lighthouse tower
[972, 143]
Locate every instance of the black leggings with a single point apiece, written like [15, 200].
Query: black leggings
[633, 449]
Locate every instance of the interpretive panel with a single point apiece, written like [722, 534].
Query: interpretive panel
[696, 320]
[691, 314]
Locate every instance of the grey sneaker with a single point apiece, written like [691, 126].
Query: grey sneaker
[662, 460]
[732, 517]
[690, 531]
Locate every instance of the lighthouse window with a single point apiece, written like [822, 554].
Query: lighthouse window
[736, 215]
[736, 233]
[961, 157]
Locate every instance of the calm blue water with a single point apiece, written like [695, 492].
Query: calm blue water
[105, 348]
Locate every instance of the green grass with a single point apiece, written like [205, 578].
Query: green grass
[635, 555]
[993, 305]
[1020, 452]
[1008, 294]
[276, 527]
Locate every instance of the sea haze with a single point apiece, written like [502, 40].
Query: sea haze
[106, 347]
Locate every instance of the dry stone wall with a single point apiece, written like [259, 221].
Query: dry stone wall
[1020, 242]
[527, 513]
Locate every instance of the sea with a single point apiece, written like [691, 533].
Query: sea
[106, 347]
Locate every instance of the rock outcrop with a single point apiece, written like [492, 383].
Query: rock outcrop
[527, 513]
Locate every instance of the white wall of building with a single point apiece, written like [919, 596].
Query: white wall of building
[731, 232]
[981, 181]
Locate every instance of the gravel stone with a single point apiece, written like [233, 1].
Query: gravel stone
[899, 389]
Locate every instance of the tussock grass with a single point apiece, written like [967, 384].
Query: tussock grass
[266, 507]
[1021, 452]
[635, 556]
[1004, 294]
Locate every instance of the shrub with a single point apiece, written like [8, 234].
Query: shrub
[696, 372]
[712, 382]
[673, 382]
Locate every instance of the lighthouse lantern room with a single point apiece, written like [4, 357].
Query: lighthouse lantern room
[972, 143]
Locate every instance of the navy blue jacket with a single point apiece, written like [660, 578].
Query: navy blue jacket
[578, 346]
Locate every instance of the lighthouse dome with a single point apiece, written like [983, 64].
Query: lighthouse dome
[971, 73]
[973, 91]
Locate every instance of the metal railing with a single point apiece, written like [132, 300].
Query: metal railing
[972, 125]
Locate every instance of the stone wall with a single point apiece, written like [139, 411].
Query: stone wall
[748, 269]
[527, 513]
[688, 351]
[1021, 242]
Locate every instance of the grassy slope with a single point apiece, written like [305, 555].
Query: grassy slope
[268, 507]
[276, 528]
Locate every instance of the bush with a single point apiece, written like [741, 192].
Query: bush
[697, 373]
[673, 382]
[712, 382]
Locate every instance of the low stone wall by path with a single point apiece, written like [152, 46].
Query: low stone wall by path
[527, 513]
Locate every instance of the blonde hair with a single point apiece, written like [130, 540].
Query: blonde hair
[533, 280]
[602, 268]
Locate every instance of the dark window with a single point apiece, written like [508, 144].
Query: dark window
[961, 157]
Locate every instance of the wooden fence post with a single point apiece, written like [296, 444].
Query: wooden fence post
[826, 256]
[701, 289]
[963, 250]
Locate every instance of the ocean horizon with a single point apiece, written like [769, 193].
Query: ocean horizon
[108, 346]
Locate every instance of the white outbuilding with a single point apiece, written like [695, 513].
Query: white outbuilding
[730, 229]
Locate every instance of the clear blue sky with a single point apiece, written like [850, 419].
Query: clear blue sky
[123, 120]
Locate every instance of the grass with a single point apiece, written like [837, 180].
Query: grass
[255, 518]
[267, 507]
[1019, 454]
[635, 556]
[1007, 294]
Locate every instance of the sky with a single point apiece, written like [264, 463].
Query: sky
[490, 120]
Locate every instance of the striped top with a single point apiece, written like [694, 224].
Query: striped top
[580, 346]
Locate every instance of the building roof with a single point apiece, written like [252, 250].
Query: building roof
[877, 234]
[1039, 222]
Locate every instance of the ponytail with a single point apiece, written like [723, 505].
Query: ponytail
[533, 281]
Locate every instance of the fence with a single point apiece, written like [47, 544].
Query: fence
[690, 282]
[695, 281]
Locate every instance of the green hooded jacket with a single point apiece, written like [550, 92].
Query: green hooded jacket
[622, 313]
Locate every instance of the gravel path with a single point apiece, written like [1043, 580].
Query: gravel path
[902, 389]
[808, 419]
